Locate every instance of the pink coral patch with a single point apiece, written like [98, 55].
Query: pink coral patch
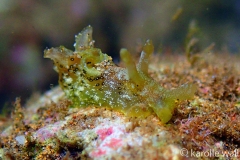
[43, 134]
[114, 143]
[204, 90]
[103, 133]
[98, 152]
[48, 131]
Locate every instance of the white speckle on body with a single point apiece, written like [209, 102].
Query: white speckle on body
[68, 80]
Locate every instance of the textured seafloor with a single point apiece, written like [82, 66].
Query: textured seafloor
[203, 128]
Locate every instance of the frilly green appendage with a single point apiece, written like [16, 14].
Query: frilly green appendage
[84, 39]
[89, 77]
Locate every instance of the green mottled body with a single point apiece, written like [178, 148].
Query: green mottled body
[89, 77]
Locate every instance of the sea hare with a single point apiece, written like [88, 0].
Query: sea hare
[90, 78]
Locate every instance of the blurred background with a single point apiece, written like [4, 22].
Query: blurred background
[28, 27]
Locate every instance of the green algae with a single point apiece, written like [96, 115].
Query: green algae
[89, 77]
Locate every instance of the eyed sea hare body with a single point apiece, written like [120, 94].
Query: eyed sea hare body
[89, 77]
